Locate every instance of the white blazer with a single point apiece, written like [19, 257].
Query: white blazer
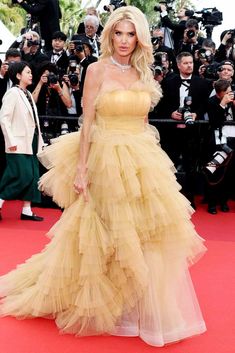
[17, 122]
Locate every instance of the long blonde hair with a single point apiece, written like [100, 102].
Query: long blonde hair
[142, 57]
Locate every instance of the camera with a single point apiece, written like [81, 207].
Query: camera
[168, 8]
[205, 54]
[72, 66]
[73, 78]
[190, 33]
[31, 42]
[210, 16]
[186, 111]
[52, 78]
[78, 45]
[211, 72]
[156, 40]
[160, 59]
[116, 4]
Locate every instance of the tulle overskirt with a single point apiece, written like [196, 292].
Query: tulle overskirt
[117, 264]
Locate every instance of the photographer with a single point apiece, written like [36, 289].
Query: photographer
[181, 141]
[91, 23]
[72, 80]
[204, 62]
[93, 12]
[191, 40]
[162, 69]
[225, 50]
[158, 46]
[29, 44]
[221, 108]
[178, 28]
[51, 95]
[48, 13]
[83, 53]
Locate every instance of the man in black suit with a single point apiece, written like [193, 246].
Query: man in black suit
[48, 13]
[181, 141]
[58, 55]
[91, 23]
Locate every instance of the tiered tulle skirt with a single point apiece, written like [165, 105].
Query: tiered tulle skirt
[117, 264]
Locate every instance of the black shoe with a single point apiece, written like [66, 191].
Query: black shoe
[25, 217]
[212, 210]
[224, 207]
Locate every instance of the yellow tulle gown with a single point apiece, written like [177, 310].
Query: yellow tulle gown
[117, 264]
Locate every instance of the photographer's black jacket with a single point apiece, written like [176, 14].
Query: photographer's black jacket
[178, 30]
[198, 90]
[48, 13]
[217, 114]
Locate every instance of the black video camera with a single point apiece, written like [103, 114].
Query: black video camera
[115, 4]
[186, 111]
[210, 16]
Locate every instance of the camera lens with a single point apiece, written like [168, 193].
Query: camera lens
[190, 33]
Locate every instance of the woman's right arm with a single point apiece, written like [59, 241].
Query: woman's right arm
[91, 88]
[43, 80]
[6, 117]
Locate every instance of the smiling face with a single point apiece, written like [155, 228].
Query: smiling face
[124, 39]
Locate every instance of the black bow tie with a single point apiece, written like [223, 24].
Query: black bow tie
[56, 54]
[185, 80]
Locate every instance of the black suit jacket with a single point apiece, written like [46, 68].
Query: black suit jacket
[217, 114]
[62, 63]
[49, 14]
[85, 63]
[3, 87]
[198, 90]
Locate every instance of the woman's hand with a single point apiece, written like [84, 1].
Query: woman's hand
[81, 183]
[13, 148]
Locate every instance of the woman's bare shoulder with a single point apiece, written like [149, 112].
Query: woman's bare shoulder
[97, 67]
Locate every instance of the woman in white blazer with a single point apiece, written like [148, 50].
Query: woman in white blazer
[20, 125]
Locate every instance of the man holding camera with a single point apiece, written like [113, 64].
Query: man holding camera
[82, 52]
[226, 50]
[29, 44]
[221, 109]
[191, 40]
[181, 141]
[178, 28]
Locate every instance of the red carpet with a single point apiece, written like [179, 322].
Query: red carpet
[213, 277]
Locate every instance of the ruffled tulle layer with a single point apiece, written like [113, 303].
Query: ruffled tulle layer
[118, 263]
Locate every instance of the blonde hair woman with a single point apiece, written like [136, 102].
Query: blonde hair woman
[118, 261]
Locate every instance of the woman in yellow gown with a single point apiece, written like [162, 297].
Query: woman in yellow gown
[119, 255]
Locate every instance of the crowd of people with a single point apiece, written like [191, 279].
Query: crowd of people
[186, 72]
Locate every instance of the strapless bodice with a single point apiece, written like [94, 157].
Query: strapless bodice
[121, 109]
